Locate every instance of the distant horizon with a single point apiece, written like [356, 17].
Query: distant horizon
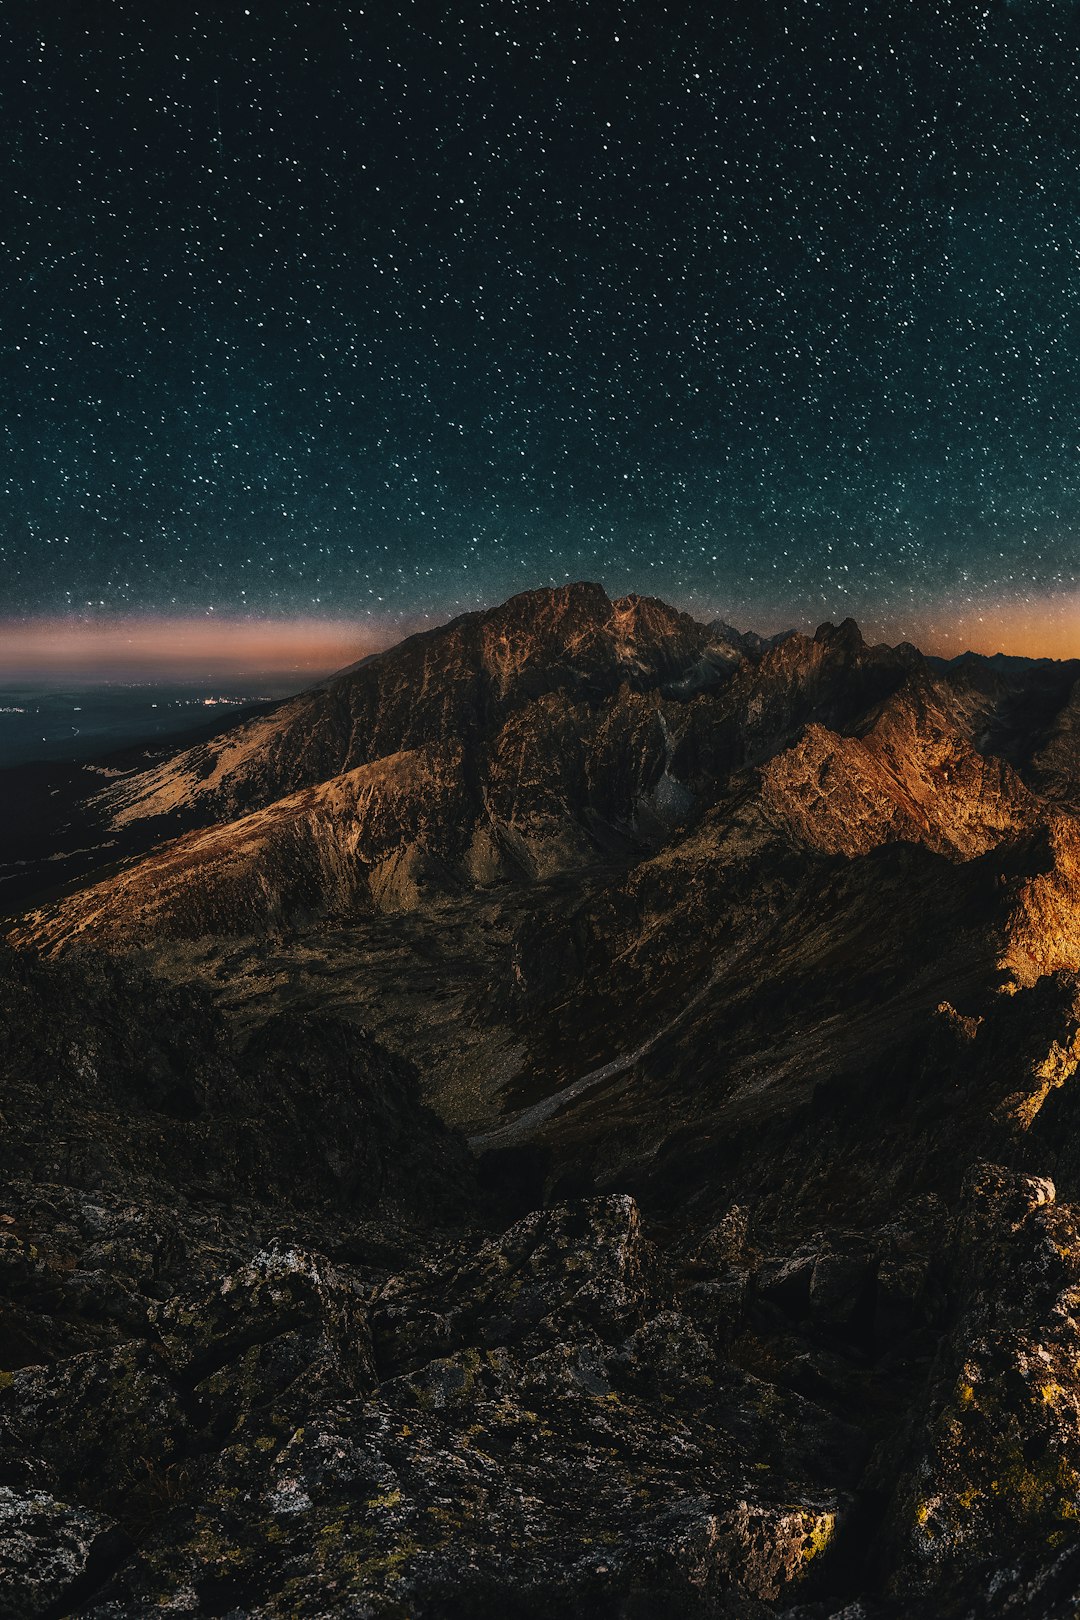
[139, 648]
[329, 309]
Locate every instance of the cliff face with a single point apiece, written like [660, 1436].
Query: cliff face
[1054, 766]
[909, 776]
[516, 744]
[454, 683]
[574, 1116]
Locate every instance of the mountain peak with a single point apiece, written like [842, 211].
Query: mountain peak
[748, 643]
[845, 637]
[580, 594]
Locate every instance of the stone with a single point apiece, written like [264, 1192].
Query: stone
[47, 1549]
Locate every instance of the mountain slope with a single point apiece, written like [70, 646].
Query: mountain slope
[751, 972]
[590, 735]
[441, 684]
[566, 737]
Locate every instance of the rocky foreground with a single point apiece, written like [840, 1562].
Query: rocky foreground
[575, 1118]
[271, 1348]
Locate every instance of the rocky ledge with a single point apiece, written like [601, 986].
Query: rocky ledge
[325, 1375]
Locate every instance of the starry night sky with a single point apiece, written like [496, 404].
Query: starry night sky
[380, 312]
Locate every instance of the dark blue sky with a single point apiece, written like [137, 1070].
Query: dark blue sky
[328, 309]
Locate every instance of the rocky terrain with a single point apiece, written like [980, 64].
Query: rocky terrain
[573, 1116]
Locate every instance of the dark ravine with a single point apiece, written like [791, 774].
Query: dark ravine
[749, 969]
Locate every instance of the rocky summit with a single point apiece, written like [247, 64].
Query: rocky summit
[575, 1116]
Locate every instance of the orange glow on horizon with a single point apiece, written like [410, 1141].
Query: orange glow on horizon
[1049, 628]
[199, 648]
[151, 648]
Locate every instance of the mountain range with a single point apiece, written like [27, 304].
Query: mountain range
[574, 1115]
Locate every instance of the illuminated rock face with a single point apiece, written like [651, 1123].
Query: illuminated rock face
[997, 1462]
[576, 1116]
[537, 739]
